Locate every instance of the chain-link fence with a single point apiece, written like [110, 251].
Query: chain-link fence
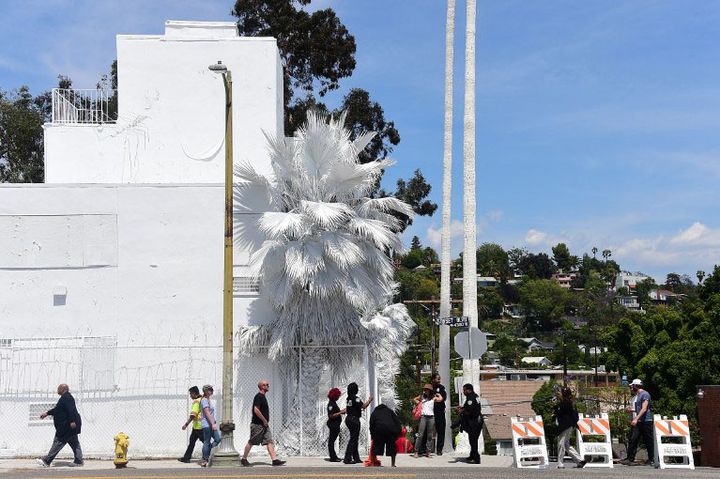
[142, 391]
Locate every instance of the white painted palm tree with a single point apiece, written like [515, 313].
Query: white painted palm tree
[471, 369]
[325, 261]
[445, 305]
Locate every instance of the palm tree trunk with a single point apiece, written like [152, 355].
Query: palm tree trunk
[445, 305]
[471, 369]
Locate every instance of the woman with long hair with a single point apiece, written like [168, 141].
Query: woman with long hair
[423, 442]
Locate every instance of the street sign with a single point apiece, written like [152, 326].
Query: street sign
[471, 344]
[455, 321]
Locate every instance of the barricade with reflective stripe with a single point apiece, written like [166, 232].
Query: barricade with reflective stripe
[595, 426]
[679, 451]
[529, 443]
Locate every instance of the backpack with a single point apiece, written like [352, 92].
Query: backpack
[417, 411]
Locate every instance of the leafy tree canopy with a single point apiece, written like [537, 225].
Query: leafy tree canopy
[317, 51]
[492, 260]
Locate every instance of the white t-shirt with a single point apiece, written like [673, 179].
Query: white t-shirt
[428, 407]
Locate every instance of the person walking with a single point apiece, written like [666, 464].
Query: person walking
[566, 416]
[197, 432]
[471, 421]
[260, 426]
[642, 425]
[428, 399]
[68, 425]
[334, 421]
[211, 434]
[385, 428]
[439, 412]
[354, 408]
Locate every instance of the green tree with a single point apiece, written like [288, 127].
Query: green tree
[415, 243]
[544, 301]
[21, 137]
[642, 290]
[492, 260]
[318, 51]
[563, 259]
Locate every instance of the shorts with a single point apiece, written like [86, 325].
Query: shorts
[260, 434]
[384, 444]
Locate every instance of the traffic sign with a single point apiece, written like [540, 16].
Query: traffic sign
[455, 321]
[471, 344]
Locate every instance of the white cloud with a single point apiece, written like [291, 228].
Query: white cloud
[535, 237]
[698, 234]
[434, 235]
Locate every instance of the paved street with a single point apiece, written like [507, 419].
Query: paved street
[309, 468]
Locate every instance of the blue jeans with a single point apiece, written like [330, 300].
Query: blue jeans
[210, 439]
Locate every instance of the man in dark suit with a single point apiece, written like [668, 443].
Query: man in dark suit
[67, 427]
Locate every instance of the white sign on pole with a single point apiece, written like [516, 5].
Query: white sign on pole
[471, 344]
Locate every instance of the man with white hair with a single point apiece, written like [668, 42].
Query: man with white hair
[67, 423]
[642, 424]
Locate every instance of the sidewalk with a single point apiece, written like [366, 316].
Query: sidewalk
[403, 460]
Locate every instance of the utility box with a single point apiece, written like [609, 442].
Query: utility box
[709, 421]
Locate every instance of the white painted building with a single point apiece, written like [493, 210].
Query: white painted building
[111, 271]
[628, 279]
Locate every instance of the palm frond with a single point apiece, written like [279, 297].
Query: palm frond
[326, 215]
[279, 225]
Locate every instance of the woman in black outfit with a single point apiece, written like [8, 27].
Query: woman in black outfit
[566, 417]
[354, 410]
[334, 421]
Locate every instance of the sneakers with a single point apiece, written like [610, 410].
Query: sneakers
[245, 463]
[581, 464]
[41, 462]
[182, 459]
[278, 462]
[76, 464]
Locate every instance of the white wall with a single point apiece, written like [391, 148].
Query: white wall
[138, 269]
[132, 259]
[170, 125]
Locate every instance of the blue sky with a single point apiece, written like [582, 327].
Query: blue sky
[597, 122]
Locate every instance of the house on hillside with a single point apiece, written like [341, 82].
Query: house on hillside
[565, 279]
[534, 344]
[536, 361]
[664, 296]
[627, 279]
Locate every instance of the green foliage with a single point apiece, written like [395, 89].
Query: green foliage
[509, 349]
[672, 349]
[563, 259]
[544, 301]
[317, 51]
[492, 260]
[543, 403]
[21, 137]
[490, 303]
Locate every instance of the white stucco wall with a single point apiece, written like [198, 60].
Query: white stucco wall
[117, 290]
[170, 126]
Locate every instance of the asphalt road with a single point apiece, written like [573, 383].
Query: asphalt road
[356, 472]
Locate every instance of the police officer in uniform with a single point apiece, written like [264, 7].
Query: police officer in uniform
[439, 411]
[354, 409]
[333, 422]
[471, 421]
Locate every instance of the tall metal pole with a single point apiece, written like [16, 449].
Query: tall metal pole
[226, 455]
[445, 271]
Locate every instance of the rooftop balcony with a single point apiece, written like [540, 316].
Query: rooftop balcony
[84, 107]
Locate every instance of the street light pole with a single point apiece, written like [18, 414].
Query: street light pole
[226, 455]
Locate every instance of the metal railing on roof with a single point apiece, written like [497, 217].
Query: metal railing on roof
[72, 106]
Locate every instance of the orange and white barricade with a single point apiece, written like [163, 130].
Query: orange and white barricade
[595, 426]
[678, 449]
[529, 443]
